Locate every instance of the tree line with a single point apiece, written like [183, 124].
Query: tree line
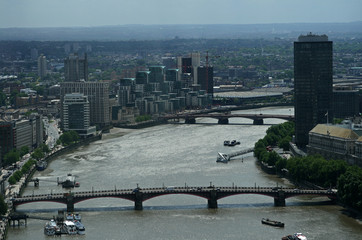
[315, 169]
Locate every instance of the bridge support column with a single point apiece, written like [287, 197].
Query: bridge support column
[258, 122]
[223, 121]
[190, 120]
[212, 201]
[279, 200]
[138, 201]
[70, 203]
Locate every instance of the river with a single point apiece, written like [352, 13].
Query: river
[179, 155]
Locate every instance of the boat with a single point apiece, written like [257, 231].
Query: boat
[77, 217]
[272, 222]
[226, 143]
[51, 228]
[233, 143]
[80, 227]
[69, 217]
[295, 236]
[77, 184]
[41, 165]
[69, 181]
[69, 227]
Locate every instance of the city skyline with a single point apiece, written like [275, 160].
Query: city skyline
[81, 13]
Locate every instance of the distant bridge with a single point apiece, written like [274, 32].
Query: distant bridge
[138, 196]
[223, 118]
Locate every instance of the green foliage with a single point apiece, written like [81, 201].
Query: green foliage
[23, 150]
[37, 154]
[17, 175]
[69, 137]
[143, 118]
[12, 180]
[3, 206]
[276, 135]
[11, 157]
[350, 187]
[44, 148]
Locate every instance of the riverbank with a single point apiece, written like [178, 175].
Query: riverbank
[18, 188]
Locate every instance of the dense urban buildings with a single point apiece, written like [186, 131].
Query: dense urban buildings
[313, 80]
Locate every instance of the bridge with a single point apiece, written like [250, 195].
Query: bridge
[138, 195]
[223, 118]
[225, 158]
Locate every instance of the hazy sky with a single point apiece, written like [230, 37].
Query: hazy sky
[65, 13]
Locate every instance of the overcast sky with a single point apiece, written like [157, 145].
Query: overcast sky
[69, 13]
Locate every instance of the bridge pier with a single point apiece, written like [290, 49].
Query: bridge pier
[258, 121]
[190, 120]
[138, 201]
[70, 202]
[223, 121]
[212, 201]
[279, 200]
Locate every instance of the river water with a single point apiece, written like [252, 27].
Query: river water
[179, 155]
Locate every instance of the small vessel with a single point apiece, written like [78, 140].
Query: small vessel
[51, 228]
[295, 236]
[233, 143]
[69, 217]
[77, 184]
[272, 222]
[41, 165]
[80, 227]
[69, 227]
[226, 143]
[77, 217]
[69, 181]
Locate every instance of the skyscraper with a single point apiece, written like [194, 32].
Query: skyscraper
[313, 79]
[75, 68]
[42, 66]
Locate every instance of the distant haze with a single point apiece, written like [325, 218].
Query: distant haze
[87, 13]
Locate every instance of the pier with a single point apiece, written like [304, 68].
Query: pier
[225, 158]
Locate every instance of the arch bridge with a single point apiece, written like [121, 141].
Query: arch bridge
[223, 118]
[138, 195]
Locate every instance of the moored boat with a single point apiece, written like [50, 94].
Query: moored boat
[69, 227]
[295, 236]
[41, 165]
[80, 227]
[77, 217]
[51, 228]
[69, 217]
[272, 222]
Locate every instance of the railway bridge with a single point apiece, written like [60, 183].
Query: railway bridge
[138, 195]
[223, 118]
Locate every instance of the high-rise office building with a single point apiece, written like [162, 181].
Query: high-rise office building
[42, 66]
[75, 68]
[76, 114]
[205, 76]
[313, 79]
[98, 97]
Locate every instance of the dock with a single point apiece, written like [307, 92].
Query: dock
[225, 158]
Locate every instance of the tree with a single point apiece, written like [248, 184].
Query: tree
[37, 154]
[3, 206]
[23, 150]
[11, 157]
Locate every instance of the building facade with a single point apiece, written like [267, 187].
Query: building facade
[313, 80]
[98, 97]
[42, 66]
[76, 114]
[75, 68]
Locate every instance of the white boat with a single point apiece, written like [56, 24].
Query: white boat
[51, 228]
[77, 217]
[69, 217]
[80, 227]
[69, 227]
[299, 236]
